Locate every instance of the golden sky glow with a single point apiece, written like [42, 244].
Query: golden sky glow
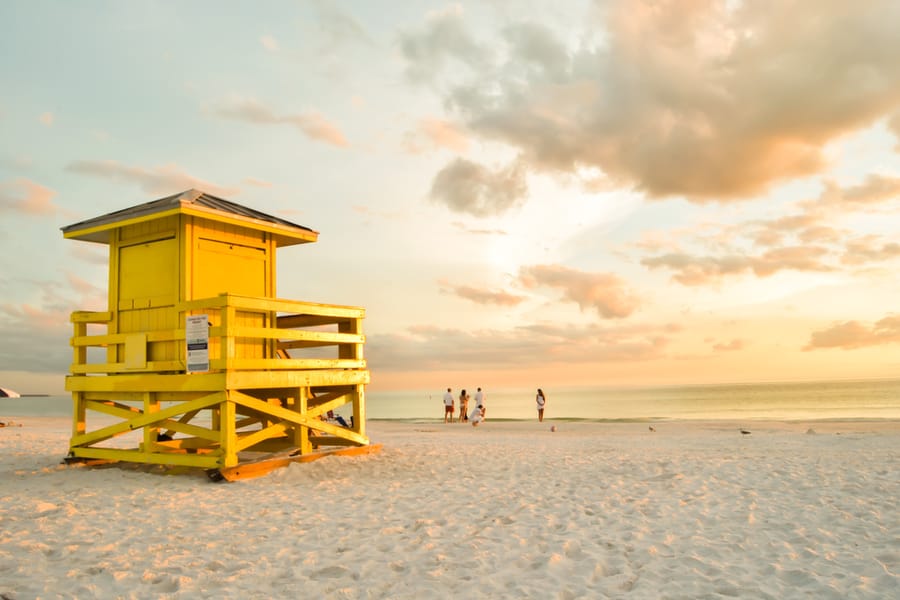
[520, 194]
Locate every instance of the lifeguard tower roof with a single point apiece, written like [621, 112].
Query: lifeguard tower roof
[191, 202]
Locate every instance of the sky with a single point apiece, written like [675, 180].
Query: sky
[520, 194]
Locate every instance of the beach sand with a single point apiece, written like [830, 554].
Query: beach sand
[505, 510]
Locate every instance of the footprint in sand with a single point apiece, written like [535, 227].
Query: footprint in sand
[333, 572]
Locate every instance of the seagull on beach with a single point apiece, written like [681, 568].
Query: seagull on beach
[745, 432]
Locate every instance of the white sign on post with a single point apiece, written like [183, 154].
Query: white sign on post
[196, 335]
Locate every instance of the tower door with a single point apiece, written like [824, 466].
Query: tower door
[227, 267]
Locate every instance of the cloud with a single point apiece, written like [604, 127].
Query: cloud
[875, 189]
[47, 119]
[795, 258]
[36, 335]
[604, 292]
[442, 41]
[312, 124]
[167, 179]
[477, 231]
[711, 100]
[467, 187]
[85, 288]
[269, 43]
[26, 197]
[480, 296]
[257, 182]
[698, 270]
[692, 270]
[894, 126]
[851, 335]
[436, 133]
[537, 345]
[810, 240]
[821, 234]
[731, 346]
[868, 249]
[339, 27]
[771, 232]
[34, 339]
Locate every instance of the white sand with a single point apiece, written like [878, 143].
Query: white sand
[694, 510]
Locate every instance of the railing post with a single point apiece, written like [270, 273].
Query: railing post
[79, 353]
[228, 431]
[303, 405]
[359, 409]
[350, 351]
[229, 317]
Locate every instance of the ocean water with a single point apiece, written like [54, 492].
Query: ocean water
[864, 399]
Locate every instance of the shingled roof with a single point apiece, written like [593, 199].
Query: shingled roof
[194, 202]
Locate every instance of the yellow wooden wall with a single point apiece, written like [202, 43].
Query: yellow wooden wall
[158, 263]
[146, 281]
[237, 260]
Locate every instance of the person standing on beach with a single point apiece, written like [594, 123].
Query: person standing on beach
[463, 406]
[448, 406]
[541, 401]
[479, 401]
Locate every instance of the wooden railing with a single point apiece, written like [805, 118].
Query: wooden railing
[245, 333]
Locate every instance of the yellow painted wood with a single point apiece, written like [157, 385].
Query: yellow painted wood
[359, 411]
[78, 414]
[305, 378]
[192, 260]
[259, 364]
[87, 316]
[290, 334]
[202, 433]
[228, 439]
[273, 431]
[204, 461]
[121, 367]
[116, 409]
[84, 340]
[265, 466]
[142, 420]
[149, 381]
[330, 440]
[136, 351]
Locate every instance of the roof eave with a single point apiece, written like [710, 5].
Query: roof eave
[284, 236]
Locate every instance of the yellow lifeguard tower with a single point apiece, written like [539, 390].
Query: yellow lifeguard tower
[196, 363]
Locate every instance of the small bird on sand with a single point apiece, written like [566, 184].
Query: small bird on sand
[652, 428]
[745, 432]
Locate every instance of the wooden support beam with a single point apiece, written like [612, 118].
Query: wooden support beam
[206, 382]
[247, 440]
[297, 418]
[263, 466]
[204, 461]
[143, 420]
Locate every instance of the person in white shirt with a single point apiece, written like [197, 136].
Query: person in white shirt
[541, 401]
[448, 406]
[479, 401]
[477, 416]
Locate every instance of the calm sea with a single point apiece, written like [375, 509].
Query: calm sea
[869, 399]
